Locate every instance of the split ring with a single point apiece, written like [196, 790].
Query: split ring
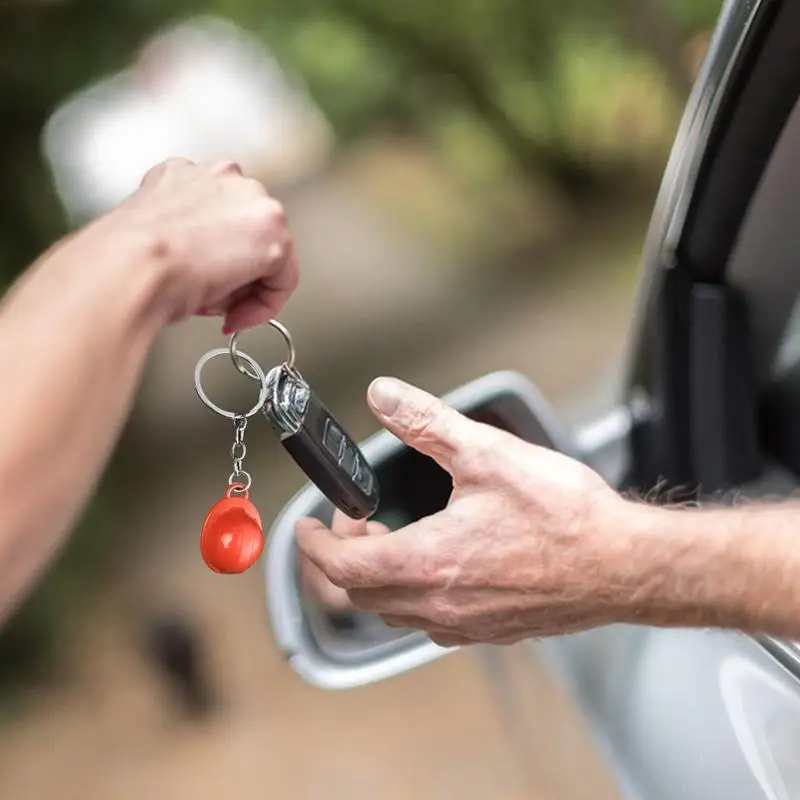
[257, 374]
[239, 481]
[237, 356]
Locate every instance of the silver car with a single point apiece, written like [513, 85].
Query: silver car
[710, 402]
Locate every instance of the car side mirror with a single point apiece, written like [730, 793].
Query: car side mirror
[335, 650]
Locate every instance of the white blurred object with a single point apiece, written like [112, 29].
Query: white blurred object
[202, 89]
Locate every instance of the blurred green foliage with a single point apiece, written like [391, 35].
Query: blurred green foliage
[512, 68]
[580, 94]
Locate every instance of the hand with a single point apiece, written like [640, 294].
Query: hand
[221, 235]
[528, 545]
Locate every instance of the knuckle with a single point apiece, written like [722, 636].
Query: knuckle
[225, 167]
[421, 420]
[269, 212]
[432, 573]
[442, 613]
[348, 571]
[163, 168]
[432, 424]
[162, 249]
[276, 253]
[278, 211]
[278, 249]
[154, 173]
[338, 573]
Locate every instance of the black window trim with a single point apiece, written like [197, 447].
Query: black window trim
[736, 114]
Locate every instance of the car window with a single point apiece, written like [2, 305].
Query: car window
[788, 356]
[780, 406]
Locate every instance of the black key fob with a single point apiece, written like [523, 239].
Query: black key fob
[319, 444]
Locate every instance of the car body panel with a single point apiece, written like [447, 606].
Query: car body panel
[687, 714]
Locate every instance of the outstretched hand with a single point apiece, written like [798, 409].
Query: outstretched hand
[527, 546]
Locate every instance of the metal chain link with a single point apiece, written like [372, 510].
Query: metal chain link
[238, 452]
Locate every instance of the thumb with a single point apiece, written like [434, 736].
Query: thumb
[421, 420]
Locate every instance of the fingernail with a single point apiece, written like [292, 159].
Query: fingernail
[226, 331]
[386, 394]
[204, 312]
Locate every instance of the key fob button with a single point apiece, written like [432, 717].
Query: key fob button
[333, 438]
[300, 397]
[363, 477]
[348, 460]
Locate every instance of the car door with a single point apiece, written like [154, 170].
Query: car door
[712, 399]
[708, 413]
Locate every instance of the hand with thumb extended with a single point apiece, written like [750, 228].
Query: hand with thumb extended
[528, 544]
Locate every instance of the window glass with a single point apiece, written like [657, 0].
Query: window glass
[788, 355]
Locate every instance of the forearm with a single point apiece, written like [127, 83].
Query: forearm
[74, 337]
[734, 568]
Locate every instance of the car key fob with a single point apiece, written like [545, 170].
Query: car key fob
[319, 444]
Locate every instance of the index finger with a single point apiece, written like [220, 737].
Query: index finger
[346, 527]
[265, 298]
[396, 559]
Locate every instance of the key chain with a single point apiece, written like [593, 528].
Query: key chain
[311, 435]
[232, 535]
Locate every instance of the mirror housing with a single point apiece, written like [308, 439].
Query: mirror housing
[342, 651]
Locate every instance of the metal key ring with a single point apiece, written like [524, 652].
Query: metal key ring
[237, 355]
[242, 480]
[257, 372]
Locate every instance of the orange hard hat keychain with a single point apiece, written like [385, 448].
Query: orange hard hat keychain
[232, 536]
